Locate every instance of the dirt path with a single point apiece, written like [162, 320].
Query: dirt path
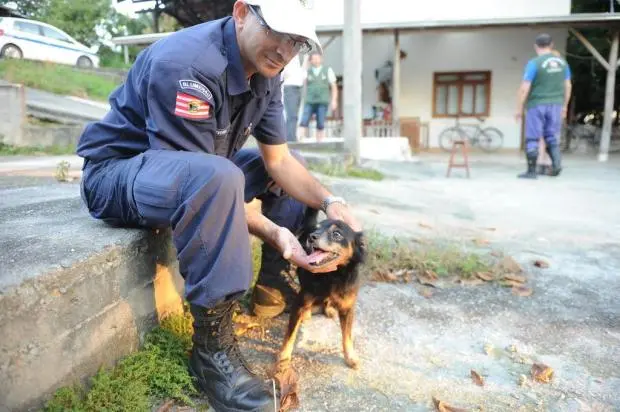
[414, 348]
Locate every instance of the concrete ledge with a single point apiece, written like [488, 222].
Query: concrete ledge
[75, 294]
[47, 136]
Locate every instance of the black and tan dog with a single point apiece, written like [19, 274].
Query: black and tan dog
[334, 292]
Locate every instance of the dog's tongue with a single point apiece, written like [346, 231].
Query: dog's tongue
[317, 256]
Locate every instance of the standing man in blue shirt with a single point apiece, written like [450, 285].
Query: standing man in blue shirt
[168, 154]
[545, 91]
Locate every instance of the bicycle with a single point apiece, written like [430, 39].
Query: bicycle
[488, 139]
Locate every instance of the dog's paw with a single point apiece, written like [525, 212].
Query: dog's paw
[352, 360]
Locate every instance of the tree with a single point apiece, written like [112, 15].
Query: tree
[79, 18]
[589, 76]
[29, 8]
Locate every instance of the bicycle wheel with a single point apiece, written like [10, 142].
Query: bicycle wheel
[448, 136]
[491, 139]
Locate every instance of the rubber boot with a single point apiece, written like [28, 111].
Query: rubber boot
[531, 167]
[220, 370]
[275, 288]
[556, 159]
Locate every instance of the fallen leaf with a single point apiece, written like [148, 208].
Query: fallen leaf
[287, 381]
[425, 226]
[471, 282]
[486, 276]
[510, 283]
[384, 276]
[515, 278]
[166, 406]
[427, 293]
[481, 242]
[496, 253]
[541, 264]
[522, 380]
[242, 328]
[428, 278]
[475, 376]
[509, 265]
[542, 373]
[375, 211]
[522, 291]
[444, 407]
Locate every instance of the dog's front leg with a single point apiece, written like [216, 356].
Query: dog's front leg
[346, 325]
[301, 311]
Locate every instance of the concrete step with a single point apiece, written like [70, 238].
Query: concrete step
[75, 294]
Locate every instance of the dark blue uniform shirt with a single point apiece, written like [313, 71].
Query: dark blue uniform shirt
[189, 92]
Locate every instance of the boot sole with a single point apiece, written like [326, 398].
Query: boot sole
[270, 311]
[216, 406]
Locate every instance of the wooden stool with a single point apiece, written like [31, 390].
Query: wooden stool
[463, 146]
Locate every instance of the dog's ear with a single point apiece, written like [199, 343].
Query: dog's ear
[360, 247]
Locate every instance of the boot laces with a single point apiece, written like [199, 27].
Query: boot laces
[229, 356]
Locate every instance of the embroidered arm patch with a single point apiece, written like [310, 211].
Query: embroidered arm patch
[190, 107]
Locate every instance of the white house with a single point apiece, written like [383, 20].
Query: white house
[448, 70]
[464, 58]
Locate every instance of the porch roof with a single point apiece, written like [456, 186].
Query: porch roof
[581, 20]
[575, 21]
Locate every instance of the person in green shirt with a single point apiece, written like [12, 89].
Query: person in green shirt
[321, 94]
[544, 94]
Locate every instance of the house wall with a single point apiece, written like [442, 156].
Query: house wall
[331, 12]
[502, 51]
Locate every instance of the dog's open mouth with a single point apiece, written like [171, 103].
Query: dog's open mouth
[319, 257]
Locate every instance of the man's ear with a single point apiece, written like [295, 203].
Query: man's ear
[240, 13]
[360, 247]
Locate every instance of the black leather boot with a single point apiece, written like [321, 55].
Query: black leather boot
[532, 157]
[275, 287]
[220, 370]
[556, 159]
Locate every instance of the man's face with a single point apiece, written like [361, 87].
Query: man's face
[316, 60]
[264, 50]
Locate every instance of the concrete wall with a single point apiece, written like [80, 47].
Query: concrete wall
[61, 327]
[502, 51]
[12, 113]
[331, 12]
[46, 136]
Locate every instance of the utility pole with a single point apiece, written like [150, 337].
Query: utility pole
[609, 98]
[352, 81]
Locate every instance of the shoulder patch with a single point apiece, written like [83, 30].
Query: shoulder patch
[197, 86]
[190, 107]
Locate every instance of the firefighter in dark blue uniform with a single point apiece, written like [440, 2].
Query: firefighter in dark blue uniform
[168, 154]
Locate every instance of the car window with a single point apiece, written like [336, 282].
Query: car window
[55, 34]
[26, 27]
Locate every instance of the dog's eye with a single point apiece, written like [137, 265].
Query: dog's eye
[337, 236]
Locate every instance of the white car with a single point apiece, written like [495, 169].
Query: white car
[34, 40]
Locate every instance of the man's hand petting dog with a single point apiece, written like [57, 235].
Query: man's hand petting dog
[338, 211]
[292, 250]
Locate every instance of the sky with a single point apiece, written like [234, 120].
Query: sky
[128, 7]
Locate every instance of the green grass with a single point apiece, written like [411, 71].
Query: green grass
[8, 150]
[393, 254]
[155, 373]
[59, 79]
[347, 171]
[158, 371]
